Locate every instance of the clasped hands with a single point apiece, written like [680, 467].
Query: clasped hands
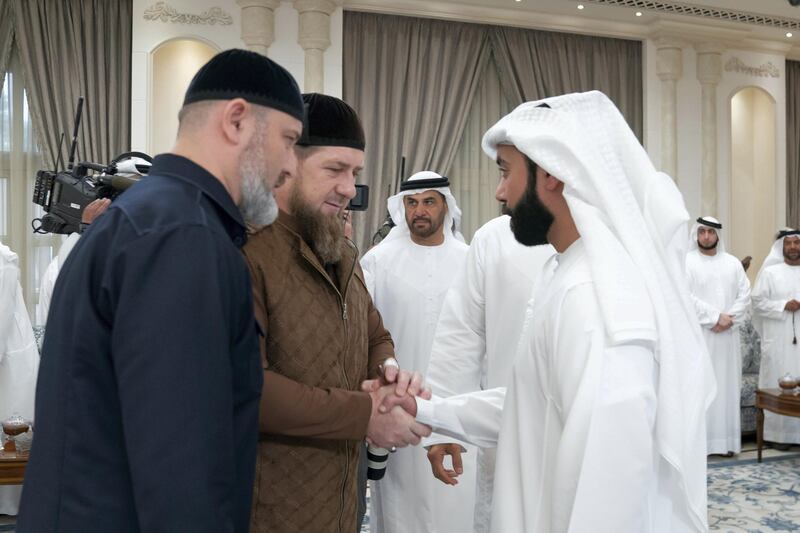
[792, 305]
[392, 423]
[724, 323]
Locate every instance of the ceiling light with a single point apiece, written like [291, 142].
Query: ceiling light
[789, 34]
[580, 6]
[638, 13]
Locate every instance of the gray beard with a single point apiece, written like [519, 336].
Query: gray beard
[258, 205]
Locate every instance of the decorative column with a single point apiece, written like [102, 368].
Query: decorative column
[258, 23]
[315, 38]
[669, 68]
[709, 73]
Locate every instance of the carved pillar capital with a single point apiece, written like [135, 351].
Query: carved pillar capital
[315, 37]
[258, 23]
[669, 61]
[315, 26]
[709, 63]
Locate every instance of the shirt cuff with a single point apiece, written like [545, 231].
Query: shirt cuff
[425, 412]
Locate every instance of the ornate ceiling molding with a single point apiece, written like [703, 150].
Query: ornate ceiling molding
[694, 10]
[163, 12]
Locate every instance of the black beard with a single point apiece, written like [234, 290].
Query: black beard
[432, 228]
[530, 219]
[709, 247]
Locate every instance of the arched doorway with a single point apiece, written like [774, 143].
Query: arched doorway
[174, 63]
[753, 175]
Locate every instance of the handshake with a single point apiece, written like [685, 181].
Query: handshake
[392, 423]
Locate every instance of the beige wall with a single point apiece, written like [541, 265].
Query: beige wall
[753, 176]
[156, 88]
[748, 221]
[174, 64]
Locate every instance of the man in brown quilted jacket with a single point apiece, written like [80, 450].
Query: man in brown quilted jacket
[322, 337]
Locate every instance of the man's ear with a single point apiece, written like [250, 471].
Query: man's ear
[551, 183]
[235, 115]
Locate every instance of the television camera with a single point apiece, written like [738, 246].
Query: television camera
[64, 194]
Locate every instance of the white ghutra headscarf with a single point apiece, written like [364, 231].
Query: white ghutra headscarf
[633, 224]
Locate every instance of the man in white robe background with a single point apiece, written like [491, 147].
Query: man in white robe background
[477, 336]
[19, 360]
[603, 426]
[721, 294]
[408, 275]
[776, 300]
[91, 212]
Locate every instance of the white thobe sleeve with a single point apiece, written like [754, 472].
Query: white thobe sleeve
[459, 345]
[46, 292]
[474, 417]
[368, 265]
[707, 314]
[741, 306]
[763, 304]
[604, 468]
[9, 277]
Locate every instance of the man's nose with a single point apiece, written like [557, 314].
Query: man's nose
[347, 187]
[500, 192]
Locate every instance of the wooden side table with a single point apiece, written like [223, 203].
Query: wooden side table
[12, 468]
[776, 401]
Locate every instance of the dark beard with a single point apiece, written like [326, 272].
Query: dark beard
[709, 247]
[324, 234]
[530, 219]
[432, 228]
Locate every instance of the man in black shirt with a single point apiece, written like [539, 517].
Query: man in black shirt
[148, 394]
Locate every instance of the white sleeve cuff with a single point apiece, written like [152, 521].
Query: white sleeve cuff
[425, 412]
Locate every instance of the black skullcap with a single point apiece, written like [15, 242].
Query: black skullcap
[331, 122]
[244, 74]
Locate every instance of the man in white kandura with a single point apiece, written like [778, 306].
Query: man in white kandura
[603, 426]
[19, 359]
[477, 336]
[776, 300]
[408, 275]
[721, 294]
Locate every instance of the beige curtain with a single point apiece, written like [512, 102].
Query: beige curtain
[6, 37]
[72, 48]
[793, 143]
[19, 161]
[473, 176]
[412, 81]
[536, 64]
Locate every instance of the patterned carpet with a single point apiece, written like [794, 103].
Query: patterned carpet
[748, 497]
[743, 496]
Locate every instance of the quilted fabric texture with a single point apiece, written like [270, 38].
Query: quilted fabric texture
[305, 484]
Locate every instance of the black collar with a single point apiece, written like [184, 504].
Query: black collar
[188, 171]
